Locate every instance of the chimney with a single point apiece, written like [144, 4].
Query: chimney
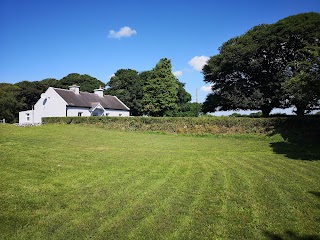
[75, 89]
[99, 92]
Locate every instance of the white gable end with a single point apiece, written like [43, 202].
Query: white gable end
[49, 105]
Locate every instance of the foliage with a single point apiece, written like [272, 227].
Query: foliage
[203, 125]
[186, 110]
[30, 91]
[78, 182]
[235, 115]
[160, 90]
[156, 92]
[128, 87]
[9, 105]
[300, 35]
[302, 84]
[85, 81]
[184, 97]
[249, 71]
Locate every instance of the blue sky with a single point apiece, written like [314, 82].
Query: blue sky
[51, 38]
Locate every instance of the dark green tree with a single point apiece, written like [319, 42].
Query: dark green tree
[9, 104]
[187, 110]
[249, 71]
[85, 81]
[30, 92]
[300, 35]
[160, 90]
[50, 82]
[243, 74]
[302, 86]
[183, 96]
[128, 87]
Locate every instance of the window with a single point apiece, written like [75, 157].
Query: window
[120, 115]
[28, 117]
[79, 114]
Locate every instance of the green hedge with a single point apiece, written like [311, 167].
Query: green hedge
[200, 125]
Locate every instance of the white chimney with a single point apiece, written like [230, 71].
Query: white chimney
[99, 92]
[75, 89]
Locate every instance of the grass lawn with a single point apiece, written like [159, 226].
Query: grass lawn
[79, 182]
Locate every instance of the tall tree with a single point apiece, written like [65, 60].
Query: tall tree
[300, 35]
[244, 75]
[161, 90]
[183, 96]
[185, 108]
[249, 71]
[128, 87]
[302, 85]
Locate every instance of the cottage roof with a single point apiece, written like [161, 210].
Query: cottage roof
[85, 99]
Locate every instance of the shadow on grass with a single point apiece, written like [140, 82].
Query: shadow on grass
[317, 194]
[290, 235]
[298, 150]
[302, 139]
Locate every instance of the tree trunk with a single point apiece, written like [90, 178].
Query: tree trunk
[266, 111]
[300, 111]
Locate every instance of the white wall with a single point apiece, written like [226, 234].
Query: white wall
[117, 113]
[73, 112]
[26, 117]
[49, 105]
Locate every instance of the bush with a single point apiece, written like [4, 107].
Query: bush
[203, 125]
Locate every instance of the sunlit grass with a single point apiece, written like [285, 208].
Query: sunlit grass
[76, 182]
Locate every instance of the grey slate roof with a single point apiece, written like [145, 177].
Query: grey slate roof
[85, 99]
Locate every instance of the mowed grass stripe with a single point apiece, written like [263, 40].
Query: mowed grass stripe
[281, 192]
[77, 182]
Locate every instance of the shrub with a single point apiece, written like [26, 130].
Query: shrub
[213, 125]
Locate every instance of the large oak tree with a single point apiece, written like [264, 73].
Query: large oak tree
[250, 72]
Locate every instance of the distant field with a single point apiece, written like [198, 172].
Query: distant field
[81, 182]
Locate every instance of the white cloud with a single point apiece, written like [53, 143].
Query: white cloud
[177, 73]
[123, 32]
[198, 62]
[206, 88]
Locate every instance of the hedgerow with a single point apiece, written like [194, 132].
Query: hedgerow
[200, 125]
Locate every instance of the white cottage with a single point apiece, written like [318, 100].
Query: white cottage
[56, 102]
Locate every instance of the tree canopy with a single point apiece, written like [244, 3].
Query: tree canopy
[127, 85]
[9, 104]
[156, 92]
[160, 90]
[85, 81]
[263, 68]
[30, 91]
